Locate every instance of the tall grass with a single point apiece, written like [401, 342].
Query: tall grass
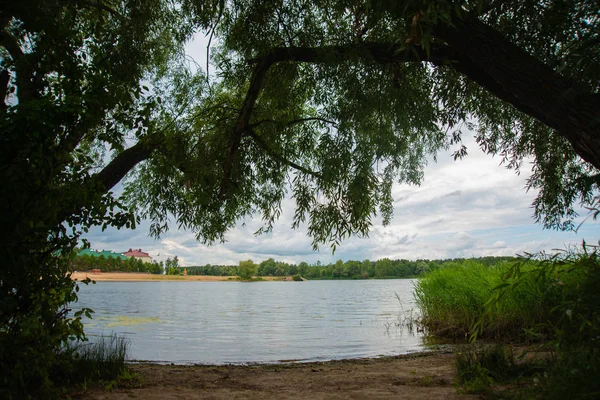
[88, 362]
[456, 301]
[552, 299]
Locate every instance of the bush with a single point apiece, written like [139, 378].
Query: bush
[297, 278]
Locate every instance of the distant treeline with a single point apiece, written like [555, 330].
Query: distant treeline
[108, 264]
[384, 268]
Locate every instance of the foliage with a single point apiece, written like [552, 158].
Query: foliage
[172, 266]
[71, 100]
[247, 269]
[327, 102]
[572, 326]
[553, 299]
[297, 278]
[480, 366]
[36, 324]
[332, 102]
[350, 269]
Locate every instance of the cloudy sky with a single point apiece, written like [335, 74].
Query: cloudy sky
[467, 208]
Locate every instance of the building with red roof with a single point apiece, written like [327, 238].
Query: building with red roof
[138, 254]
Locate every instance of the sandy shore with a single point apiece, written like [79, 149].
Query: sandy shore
[144, 277]
[416, 376]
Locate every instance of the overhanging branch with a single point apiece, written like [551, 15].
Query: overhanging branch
[381, 52]
[377, 52]
[294, 122]
[125, 162]
[112, 173]
[278, 156]
[482, 54]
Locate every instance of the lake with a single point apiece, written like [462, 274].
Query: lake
[246, 322]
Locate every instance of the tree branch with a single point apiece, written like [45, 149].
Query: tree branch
[11, 44]
[100, 5]
[22, 65]
[487, 57]
[382, 52]
[126, 161]
[256, 83]
[378, 52]
[294, 122]
[279, 157]
[111, 174]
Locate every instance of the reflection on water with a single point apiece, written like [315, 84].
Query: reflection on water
[239, 322]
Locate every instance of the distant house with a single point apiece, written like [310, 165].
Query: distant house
[98, 253]
[138, 254]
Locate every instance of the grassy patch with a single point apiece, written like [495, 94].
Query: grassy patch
[89, 363]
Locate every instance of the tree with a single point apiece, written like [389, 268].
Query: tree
[267, 267]
[330, 102]
[247, 269]
[349, 85]
[172, 266]
[384, 268]
[70, 103]
[303, 268]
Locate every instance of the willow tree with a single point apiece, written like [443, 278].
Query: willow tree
[328, 102]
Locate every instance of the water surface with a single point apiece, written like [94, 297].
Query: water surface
[242, 322]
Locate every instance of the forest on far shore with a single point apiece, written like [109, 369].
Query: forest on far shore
[383, 268]
[352, 269]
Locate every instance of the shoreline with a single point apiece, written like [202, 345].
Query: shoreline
[147, 277]
[419, 375]
[116, 276]
[436, 349]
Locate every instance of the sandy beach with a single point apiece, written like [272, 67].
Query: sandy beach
[145, 277]
[413, 376]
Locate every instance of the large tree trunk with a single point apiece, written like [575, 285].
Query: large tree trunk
[487, 57]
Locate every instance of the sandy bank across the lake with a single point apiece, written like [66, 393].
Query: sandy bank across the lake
[144, 277]
[413, 376]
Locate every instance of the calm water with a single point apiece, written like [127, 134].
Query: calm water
[241, 322]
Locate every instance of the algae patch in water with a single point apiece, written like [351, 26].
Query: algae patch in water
[124, 320]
